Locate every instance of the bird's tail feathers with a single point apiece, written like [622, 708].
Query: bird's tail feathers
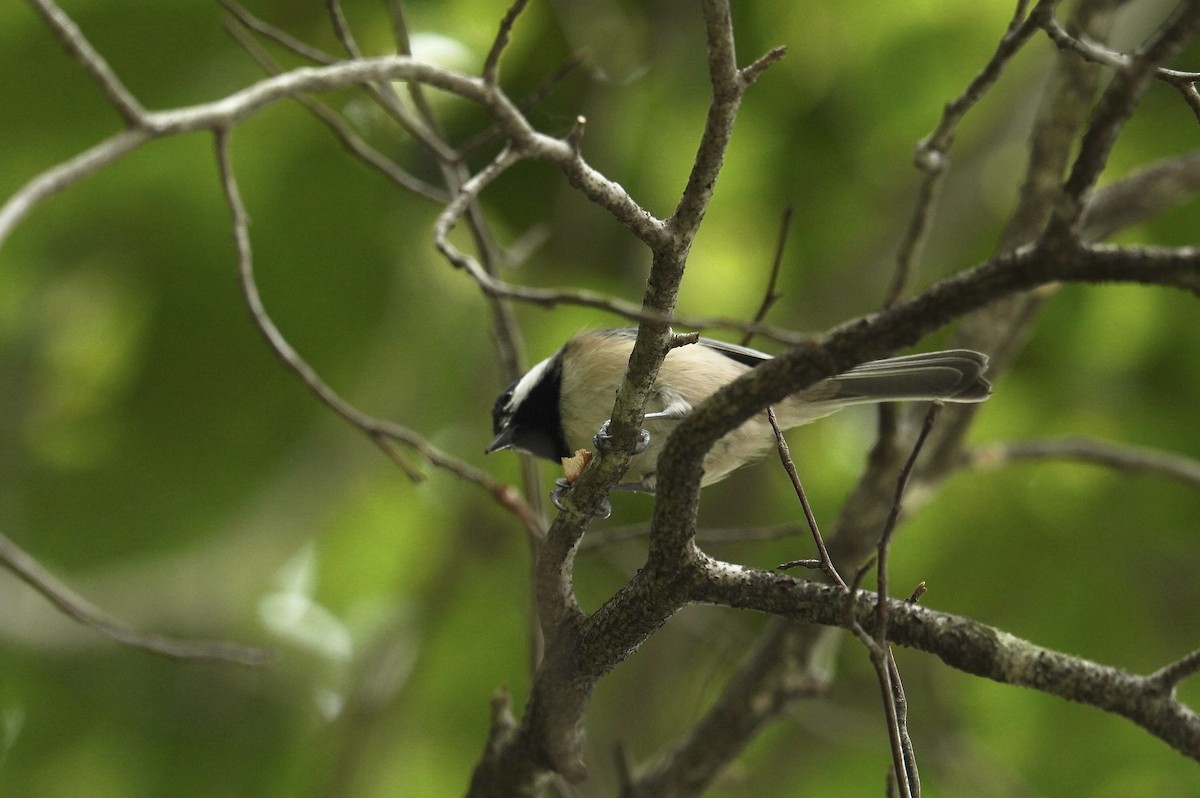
[954, 375]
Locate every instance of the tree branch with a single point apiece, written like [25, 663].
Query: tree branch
[966, 645]
[1116, 106]
[382, 433]
[1119, 457]
[79, 609]
[931, 154]
[90, 59]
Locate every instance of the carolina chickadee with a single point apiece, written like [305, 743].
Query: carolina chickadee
[562, 402]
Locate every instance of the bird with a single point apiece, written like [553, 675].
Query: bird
[564, 401]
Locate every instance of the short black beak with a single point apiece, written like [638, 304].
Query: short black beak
[502, 440]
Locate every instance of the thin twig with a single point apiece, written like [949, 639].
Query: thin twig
[32, 573]
[906, 746]
[895, 704]
[1167, 678]
[824, 563]
[382, 91]
[468, 193]
[931, 158]
[754, 70]
[275, 339]
[771, 296]
[341, 28]
[277, 35]
[1145, 194]
[1191, 95]
[491, 65]
[527, 103]
[889, 529]
[416, 89]
[904, 758]
[485, 265]
[1114, 109]
[1119, 457]
[382, 433]
[90, 59]
[1098, 53]
[340, 129]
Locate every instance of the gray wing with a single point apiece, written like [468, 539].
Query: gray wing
[742, 354]
[955, 375]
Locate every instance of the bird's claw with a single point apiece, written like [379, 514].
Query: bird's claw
[603, 441]
[562, 488]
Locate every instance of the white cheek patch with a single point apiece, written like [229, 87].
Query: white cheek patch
[526, 384]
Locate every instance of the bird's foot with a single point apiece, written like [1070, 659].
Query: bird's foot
[603, 441]
[562, 488]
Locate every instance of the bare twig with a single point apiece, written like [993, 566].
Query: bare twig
[1115, 107]
[1020, 28]
[61, 177]
[586, 646]
[728, 85]
[824, 563]
[1143, 195]
[964, 644]
[468, 193]
[907, 752]
[340, 129]
[904, 759]
[524, 105]
[341, 29]
[885, 538]
[274, 338]
[931, 156]
[895, 703]
[771, 295]
[1120, 457]
[1098, 53]
[74, 606]
[277, 35]
[776, 674]
[491, 65]
[750, 73]
[95, 64]
[1167, 678]
[381, 90]
[382, 433]
[1191, 95]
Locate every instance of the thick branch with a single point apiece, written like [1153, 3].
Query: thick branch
[551, 726]
[966, 645]
[904, 324]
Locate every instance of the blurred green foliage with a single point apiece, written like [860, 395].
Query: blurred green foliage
[158, 457]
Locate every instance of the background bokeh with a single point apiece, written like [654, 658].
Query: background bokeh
[156, 456]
